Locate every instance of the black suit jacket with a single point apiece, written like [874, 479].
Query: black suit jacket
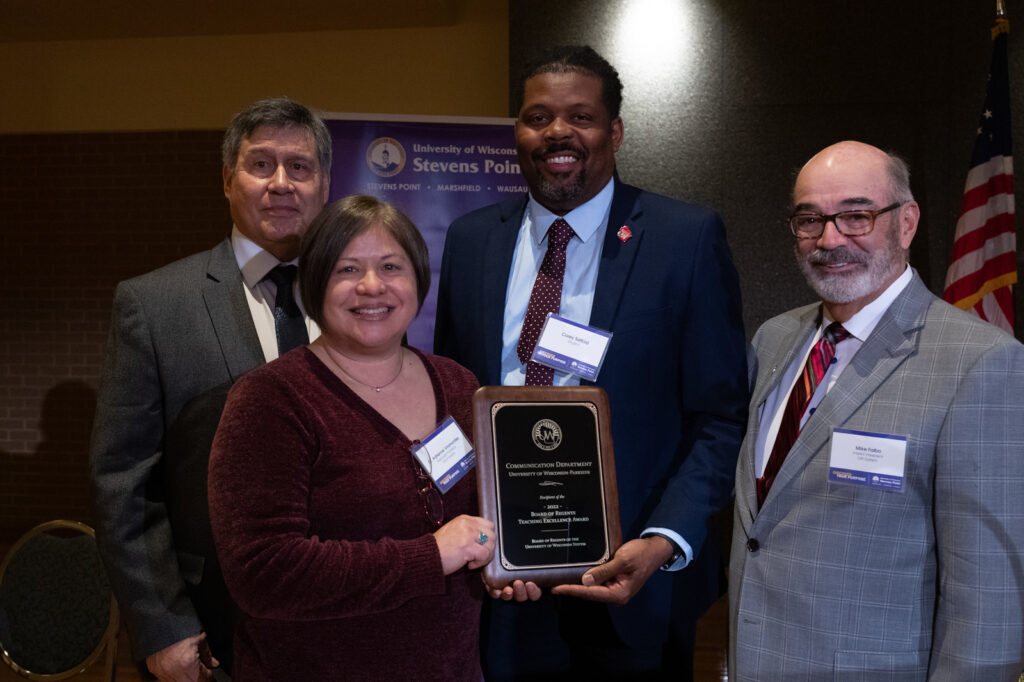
[675, 371]
[178, 337]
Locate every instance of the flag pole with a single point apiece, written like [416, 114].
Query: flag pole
[983, 265]
[1002, 23]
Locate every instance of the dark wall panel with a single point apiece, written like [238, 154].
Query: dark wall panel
[81, 213]
[738, 94]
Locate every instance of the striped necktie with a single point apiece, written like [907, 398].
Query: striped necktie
[822, 355]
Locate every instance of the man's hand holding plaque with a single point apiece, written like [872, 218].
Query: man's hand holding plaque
[546, 475]
[618, 580]
[615, 582]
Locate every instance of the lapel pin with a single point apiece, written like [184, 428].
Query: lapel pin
[624, 234]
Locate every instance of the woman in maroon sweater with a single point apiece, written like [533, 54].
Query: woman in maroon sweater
[345, 559]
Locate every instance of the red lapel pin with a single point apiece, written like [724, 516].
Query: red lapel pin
[624, 234]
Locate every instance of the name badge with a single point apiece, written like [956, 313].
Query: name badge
[570, 347]
[872, 459]
[446, 454]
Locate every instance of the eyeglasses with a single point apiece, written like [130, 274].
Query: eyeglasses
[849, 223]
[433, 502]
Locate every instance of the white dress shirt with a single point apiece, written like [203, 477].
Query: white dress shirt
[254, 264]
[860, 327]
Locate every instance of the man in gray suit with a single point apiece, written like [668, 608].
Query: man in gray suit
[179, 336]
[879, 520]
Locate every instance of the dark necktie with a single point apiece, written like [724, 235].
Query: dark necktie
[822, 355]
[288, 320]
[545, 298]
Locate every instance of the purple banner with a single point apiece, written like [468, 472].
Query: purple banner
[434, 171]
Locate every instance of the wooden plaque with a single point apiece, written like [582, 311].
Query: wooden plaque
[546, 475]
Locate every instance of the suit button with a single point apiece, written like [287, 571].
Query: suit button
[753, 545]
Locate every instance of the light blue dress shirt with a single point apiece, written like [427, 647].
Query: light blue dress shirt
[582, 261]
[254, 264]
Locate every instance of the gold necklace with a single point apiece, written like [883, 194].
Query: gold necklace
[401, 365]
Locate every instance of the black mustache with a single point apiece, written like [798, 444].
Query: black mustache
[840, 254]
[561, 147]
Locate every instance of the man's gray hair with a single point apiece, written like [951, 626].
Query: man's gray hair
[899, 178]
[279, 112]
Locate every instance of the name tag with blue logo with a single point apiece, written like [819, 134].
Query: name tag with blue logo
[875, 460]
[567, 346]
[446, 454]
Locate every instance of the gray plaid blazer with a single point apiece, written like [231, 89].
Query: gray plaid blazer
[844, 582]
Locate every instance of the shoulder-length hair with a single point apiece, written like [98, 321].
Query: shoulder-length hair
[335, 227]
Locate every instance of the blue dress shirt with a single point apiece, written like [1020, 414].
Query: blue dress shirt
[582, 261]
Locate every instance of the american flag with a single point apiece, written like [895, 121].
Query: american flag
[983, 266]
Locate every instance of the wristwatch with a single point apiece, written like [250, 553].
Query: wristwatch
[677, 551]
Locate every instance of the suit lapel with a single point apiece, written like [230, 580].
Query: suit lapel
[617, 256]
[229, 312]
[774, 367]
[891, 342]
[498, 255]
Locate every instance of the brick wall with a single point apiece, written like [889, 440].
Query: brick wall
[80, 212]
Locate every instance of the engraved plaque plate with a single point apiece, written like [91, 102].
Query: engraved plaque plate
[546, 475]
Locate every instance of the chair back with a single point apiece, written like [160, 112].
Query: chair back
[57, 612]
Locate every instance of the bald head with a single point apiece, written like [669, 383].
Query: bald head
[848, 272]
[841, 158]
[846, 149]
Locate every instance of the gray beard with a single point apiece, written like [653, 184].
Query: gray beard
[847, 287]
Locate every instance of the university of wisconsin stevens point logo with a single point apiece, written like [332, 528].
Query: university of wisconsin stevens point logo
[385, 156]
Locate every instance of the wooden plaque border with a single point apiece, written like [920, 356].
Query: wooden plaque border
[497, 573]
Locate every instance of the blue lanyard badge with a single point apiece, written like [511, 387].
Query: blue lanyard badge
[446, 454]
[571, 347]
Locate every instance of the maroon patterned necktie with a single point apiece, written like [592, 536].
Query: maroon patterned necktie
[545, 298]
[822, 355]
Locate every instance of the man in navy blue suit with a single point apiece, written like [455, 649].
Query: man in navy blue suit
[658, 274]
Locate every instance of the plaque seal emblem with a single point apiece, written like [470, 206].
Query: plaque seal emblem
[547, 435]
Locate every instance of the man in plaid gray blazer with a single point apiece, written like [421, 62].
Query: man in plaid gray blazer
[889, 545]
